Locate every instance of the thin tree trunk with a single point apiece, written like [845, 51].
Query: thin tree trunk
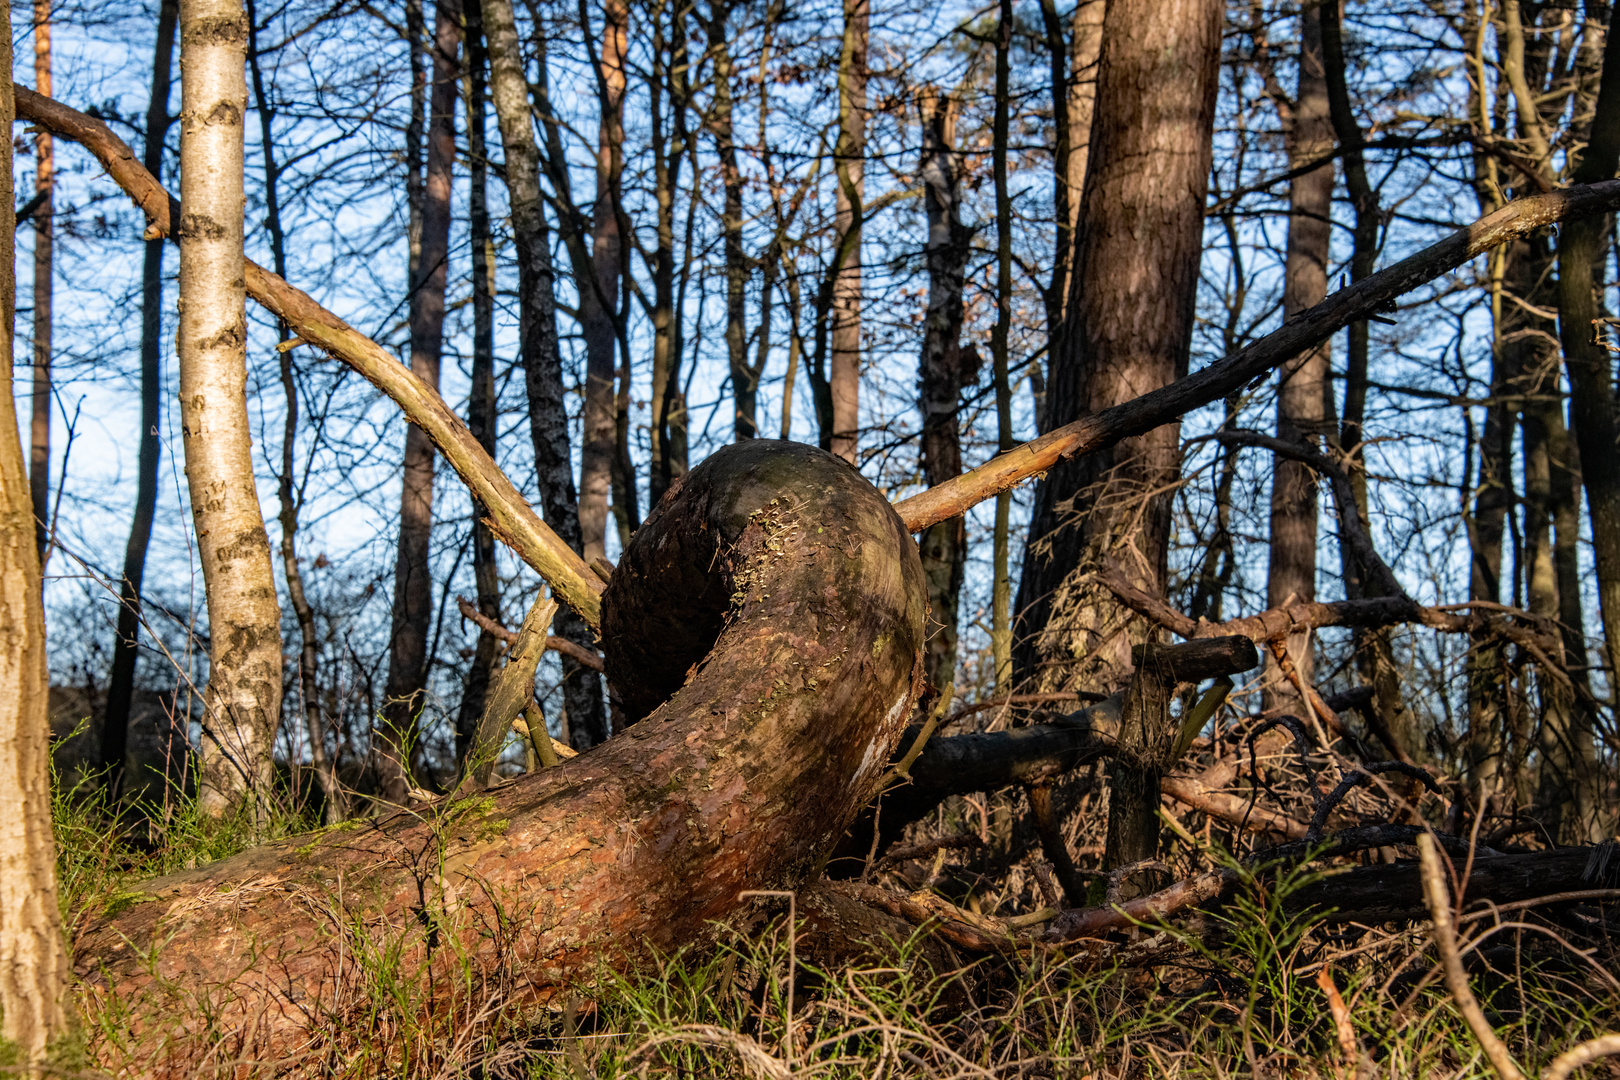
[1594, 414]
[744, 386]
[538, 346]
[844, 376]
[1073, 62]
[1303, 388]
[243, 701]
[670, 64]
[39, 462]
[33, 961]
[393, 742]
[1001, 586]
[482, 416]
[414, 33]
[940, 374]
[336, 804]
[121, 682]
[1130, 325]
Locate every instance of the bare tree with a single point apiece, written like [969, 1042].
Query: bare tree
[413, 577]
[33, 961]
[243, 701]
[844, 375]
[39, 463]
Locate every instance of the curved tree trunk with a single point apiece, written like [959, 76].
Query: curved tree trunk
[805, 583]
[243, 701]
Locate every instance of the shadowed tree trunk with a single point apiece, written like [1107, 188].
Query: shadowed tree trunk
[666, 432]
[771, 565]
[1001, 538]
[844, 366]
[1130, 324]
[482, 418]
[39, 462]
[1073, 63]
[538, 348]
[121, 682]
[243, 701]
[33, 962]
[393, 741]
[1303, 388]
[941, 374]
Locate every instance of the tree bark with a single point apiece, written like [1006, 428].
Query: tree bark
[243, 700]
[666, 432]
[814, 590]
[941, 375]
[844, 374]
[1303, 388]
[394, 738]
[1130, 325]
[39, 462]
[33, 962]
[121, 681]
[1001, 538]
[482, 416]
[539, 349]
[1073, 64]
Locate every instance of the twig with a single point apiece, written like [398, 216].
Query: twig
[1575, 1057]
[576, 652]
[902, 771]
[1356, 777]
[1438, 898]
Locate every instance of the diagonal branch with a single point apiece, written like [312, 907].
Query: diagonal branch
[1306, 330]
[511, 517]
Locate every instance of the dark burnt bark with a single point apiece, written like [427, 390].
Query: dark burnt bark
[941, 374]
[413, 580]
[121, 684]
[743, 779]
[1130, 324]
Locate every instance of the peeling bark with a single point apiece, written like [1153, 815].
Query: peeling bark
[808, 588]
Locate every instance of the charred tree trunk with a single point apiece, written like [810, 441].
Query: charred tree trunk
[33, 987]
[1130, 325]
[771, 566]
[392, 743]
[941, 374]
[243, 700]
[121, 683]
[539, 348]
[1302, 387]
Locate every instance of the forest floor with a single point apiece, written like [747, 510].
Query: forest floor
[1279, 997]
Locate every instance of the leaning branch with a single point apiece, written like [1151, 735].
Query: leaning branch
[510, 516]
[1306, 330]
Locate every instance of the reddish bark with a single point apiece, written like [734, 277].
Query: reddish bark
[743, 779]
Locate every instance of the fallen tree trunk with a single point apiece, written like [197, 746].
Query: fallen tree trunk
[743, 774]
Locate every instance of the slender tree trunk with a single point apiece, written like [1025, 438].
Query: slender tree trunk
[1073, 62]
[336, 804]
[393, 743]
[1001, 585]
[33, 961]
[121, 683]
[1130, 325]
[940, 374]
[1303, 386]
[538, 345]
[243, 701]
[414, 33]
[39, 462]
[1594, 414]
[482, 415]
[670, 64]
[844, 377]
[744, 388]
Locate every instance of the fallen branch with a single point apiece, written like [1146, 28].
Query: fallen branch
[1376, 292]
[588, 657]
[511, 518]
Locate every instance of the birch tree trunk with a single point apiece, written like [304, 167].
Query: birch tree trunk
[33, 962]
[1130, 326]
[392, 742]
[243, 700]
[121, 682]
[844, 378]
[1303, 388]
[538, 347]
[941, 375]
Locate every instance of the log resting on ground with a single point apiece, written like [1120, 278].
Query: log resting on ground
[808, 598]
